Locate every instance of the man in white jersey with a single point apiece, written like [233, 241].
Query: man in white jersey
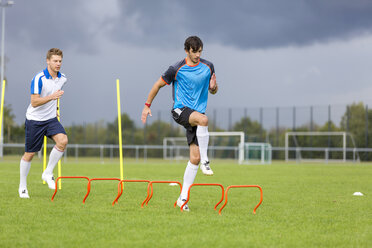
[41, 120]
[191, 79]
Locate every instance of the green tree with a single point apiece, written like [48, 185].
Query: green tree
[252, 129]
[354, 121]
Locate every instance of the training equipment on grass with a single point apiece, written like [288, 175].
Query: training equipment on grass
[150, 190]
[203, 184]
[98, 179]
[1, 117]
[45, 156]
[59, 162]
[119, 129]
[121, 188]
[59, 178]
[242, 186]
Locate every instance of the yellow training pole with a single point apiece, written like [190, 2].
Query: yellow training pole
[2, 109]
[59, 162]
[45, 155]
[119, 128]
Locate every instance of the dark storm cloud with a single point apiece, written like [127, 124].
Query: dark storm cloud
[163, 23]
[248, 23]
[51, 23]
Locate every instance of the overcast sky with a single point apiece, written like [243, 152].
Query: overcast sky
[265, 53]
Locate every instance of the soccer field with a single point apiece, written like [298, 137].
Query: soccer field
[304, 205]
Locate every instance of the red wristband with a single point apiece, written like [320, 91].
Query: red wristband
[148, 104]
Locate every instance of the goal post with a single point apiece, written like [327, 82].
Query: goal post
[170, 144]
[298, 148]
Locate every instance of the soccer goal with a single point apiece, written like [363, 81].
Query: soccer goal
[221, 144]
[300, 150]
[257, 153]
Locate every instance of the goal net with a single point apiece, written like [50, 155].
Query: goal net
[257, 153]
[319, 146]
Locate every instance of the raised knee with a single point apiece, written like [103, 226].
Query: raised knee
[204, 121]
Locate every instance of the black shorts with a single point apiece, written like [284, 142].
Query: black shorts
[36, 130]
[182, 116]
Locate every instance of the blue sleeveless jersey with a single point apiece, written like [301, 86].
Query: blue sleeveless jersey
[190, 84]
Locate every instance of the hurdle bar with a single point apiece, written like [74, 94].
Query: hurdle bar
[58, 178]
[146, 201]
[121, 189]
[97, 179]
[242, 186]
[204, 184]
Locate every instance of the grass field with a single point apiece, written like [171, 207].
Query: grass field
[304, 205]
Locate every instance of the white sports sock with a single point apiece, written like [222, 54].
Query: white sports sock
[203, 139]
[54, 157]
[188, 178]
[24, 169]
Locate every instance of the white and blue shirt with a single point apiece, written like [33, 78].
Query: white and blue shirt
[190, 84]
[44, 85]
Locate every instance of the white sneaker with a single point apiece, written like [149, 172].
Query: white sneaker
[206, 169]
[23, 193]
[181, 202]
[50, 180]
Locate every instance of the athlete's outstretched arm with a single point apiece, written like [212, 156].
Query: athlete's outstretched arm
[37, 100]
[153, 92]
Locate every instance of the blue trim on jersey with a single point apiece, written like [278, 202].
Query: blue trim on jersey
[40, 84]
[48, 76]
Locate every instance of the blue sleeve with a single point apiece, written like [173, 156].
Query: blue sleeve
[36, 89]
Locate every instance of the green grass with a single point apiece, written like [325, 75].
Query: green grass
[304, 205]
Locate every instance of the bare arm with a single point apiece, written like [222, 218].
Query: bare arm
[153, 92]
[213, 87]
[37, 100]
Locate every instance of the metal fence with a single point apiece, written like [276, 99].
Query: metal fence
[269, 117]
[274, 119]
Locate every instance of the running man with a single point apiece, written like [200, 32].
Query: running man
[41, 120]
[191, 79]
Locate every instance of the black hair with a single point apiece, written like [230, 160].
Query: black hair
[193, 42]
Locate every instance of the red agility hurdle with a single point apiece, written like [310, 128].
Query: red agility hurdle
[204, 184]
[120, 188]
[100, 179]
[149, 195]
[242, 186]
[58, 178]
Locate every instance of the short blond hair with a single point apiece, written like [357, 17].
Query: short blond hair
[54, 51]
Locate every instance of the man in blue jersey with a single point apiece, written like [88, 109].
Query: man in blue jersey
[191, 79]
[41, 120]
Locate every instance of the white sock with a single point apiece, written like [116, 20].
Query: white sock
[203, 139]
[188, 178]
[54, 157]
[24, 169]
